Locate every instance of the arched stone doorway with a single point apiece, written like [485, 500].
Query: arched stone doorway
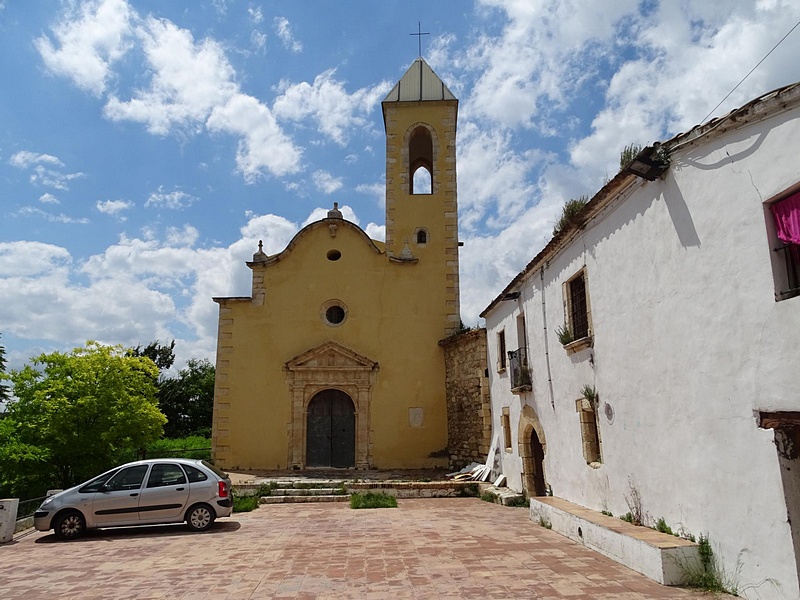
[329, 368]
[331, 430]
[532, 450]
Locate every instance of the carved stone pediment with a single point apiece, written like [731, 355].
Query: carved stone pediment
[331, 355]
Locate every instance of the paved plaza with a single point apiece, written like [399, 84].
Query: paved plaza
[425, 548]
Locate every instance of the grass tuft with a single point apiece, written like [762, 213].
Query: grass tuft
[372, 500]
[245, 503]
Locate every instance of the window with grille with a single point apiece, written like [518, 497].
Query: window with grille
[576, 307]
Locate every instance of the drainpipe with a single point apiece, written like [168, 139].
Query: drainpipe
[546, 347]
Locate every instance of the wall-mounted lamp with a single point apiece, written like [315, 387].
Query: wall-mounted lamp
[650, 163]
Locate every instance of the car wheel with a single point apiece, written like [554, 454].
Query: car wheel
[200, 517]
[69, 525]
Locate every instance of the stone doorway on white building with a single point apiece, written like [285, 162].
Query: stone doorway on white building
[532, 450]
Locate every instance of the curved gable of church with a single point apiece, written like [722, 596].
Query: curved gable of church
[325, 227]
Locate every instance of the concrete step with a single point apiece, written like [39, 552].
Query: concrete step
[321, 491]
[300, 499]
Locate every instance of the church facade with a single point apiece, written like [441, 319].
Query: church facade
[333, 360]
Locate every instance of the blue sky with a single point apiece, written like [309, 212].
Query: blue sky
[147, 146]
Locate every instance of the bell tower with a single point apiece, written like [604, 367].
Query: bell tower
[419, 116]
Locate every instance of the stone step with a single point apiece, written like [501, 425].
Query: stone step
[326, 491]
[299, 499]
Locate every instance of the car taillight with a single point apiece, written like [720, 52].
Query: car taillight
[223, 489]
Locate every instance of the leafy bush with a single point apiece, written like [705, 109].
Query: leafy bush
[193, 446]
[372, 500]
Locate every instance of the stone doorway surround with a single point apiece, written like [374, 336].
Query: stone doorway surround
[330, 366]
[529, 423]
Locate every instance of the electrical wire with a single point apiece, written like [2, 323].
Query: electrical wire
[750, 72]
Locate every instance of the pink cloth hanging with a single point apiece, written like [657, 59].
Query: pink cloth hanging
[787, 219]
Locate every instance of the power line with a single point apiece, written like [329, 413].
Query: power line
[750, 72]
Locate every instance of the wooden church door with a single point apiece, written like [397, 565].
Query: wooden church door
[331, 430]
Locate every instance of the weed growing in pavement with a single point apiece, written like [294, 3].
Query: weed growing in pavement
[519, 501]
[266, 489]
[245, 503]
[661, 525]
[469, 490]
[372, 500]
[489, 496]
[545, 523]
[706, 573]
[634, 501]
[607, 513]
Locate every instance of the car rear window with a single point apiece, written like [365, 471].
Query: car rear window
[195, 475]
[218, 472]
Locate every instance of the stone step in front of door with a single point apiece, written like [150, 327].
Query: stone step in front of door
[300, 499]
[321, 491]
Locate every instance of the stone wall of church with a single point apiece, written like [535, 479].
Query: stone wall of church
[469, 421]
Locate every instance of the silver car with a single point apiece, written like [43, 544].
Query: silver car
[159, 490]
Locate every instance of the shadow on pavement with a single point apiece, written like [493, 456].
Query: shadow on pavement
[143, 532]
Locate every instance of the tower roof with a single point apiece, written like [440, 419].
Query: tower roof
[419, 83]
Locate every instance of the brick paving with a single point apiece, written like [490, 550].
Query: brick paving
[425, 548]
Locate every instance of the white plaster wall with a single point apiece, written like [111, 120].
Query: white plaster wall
[688, 342]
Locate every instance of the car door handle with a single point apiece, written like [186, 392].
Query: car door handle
[136, 494]
[179, 489]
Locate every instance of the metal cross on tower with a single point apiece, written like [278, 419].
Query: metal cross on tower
[419, 35]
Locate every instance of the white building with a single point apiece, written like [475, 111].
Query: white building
[683, 304]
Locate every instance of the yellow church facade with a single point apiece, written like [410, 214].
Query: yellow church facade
[333, 360]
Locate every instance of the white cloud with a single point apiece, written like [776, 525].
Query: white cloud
[327, 102]
[256, 15]
[326, 182]
[284, 31]
[113, 207]
[192, 85]
[188, 80]
[263, 147]
[59, 218]
[493, 178]
[25, 159]
[376, 190]
[44, 172]
[88, 41]
[48, 198]
[174, 200]
[320, 213]
[259, 40]
[53, 179]
[376, 232]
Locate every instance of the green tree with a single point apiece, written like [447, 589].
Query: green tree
[5, 395]
[188, 400]
[76, 414]
[161, 354]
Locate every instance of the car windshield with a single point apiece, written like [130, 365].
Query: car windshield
[218, 472]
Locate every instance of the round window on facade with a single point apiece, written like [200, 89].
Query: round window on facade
[334, 255]
[334, 313]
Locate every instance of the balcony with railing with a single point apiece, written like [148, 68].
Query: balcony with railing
[521, 380]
